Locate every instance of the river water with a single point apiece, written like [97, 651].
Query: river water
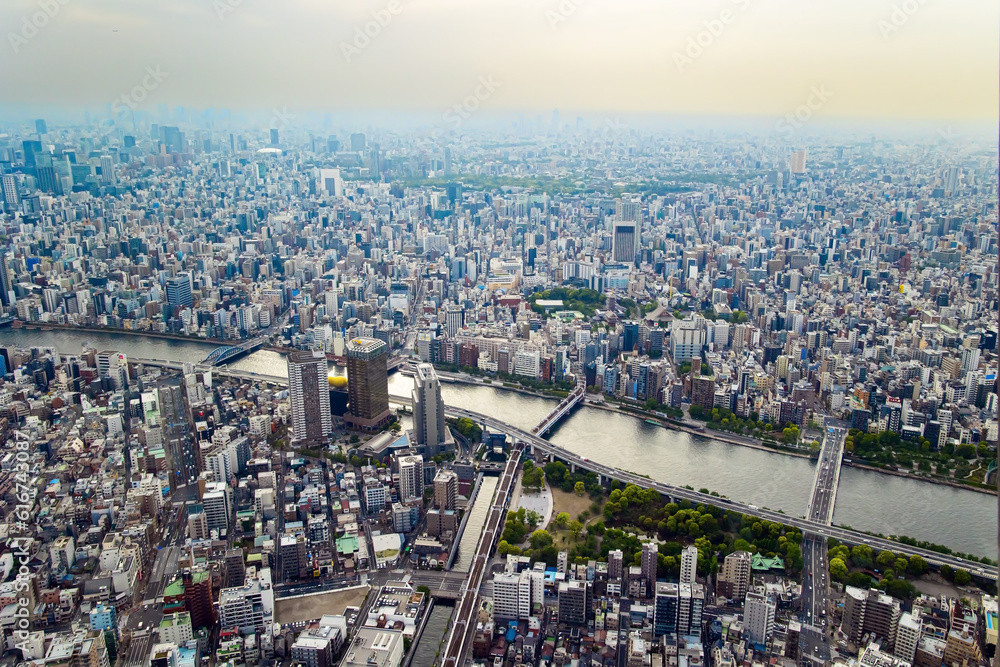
[430, 640]
[964, 520]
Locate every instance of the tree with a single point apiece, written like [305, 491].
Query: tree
[580, 488]
[962, 578]
[561, 519]
[947, 573]
[917, 566]
[838, 568]
[901, 564]
[540, 539]
[505, 548]
[575, 527]
[886, 559]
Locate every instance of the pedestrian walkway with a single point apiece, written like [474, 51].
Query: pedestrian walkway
[536, 502]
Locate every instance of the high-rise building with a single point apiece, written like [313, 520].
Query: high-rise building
[907, 637]
[690, 603]
[734, 577]
[11, 195]
[368, 384]
[274, 136]
[518, 596]
[309, 394]
[107, 170]
[454, 321]
[689, 565]
[574, 602]
[250, 607]
[758, 617]
[179, 291]
[650, 557]
[624, 244]
[293, 555]
[40, 126]
[429, 427]
[872, 612]
[198, 597]
[797, 164]
[665, 609]
[411, 477]
[445, 489]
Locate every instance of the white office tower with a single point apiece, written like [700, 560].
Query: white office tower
[758, 617]
[428, 409]
[689, 565]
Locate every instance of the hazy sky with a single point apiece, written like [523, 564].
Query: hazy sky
[918, 59]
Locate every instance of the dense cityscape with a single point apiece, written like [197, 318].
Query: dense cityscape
[833, 302]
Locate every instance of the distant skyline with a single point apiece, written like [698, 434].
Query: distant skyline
[910, 60]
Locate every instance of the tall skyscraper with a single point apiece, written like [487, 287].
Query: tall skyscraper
[41, 127]
[798, 162]
[274, 136]
[10, 192]
[107, 170]
[429, 427]
[309, 392]
[624, 242]
[367, 384]
[6, 281]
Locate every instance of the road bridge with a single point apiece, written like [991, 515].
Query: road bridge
[560, 410]
[815, 586]
[226, 353]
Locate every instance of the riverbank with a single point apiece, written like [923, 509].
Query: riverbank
[713, 435]
[46, 326]
[932, 480]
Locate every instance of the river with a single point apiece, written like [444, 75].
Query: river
[964, 520]
[430, 640]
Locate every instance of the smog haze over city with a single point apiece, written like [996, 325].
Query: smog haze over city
[431, 333]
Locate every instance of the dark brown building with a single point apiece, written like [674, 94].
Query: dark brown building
[367, 384]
